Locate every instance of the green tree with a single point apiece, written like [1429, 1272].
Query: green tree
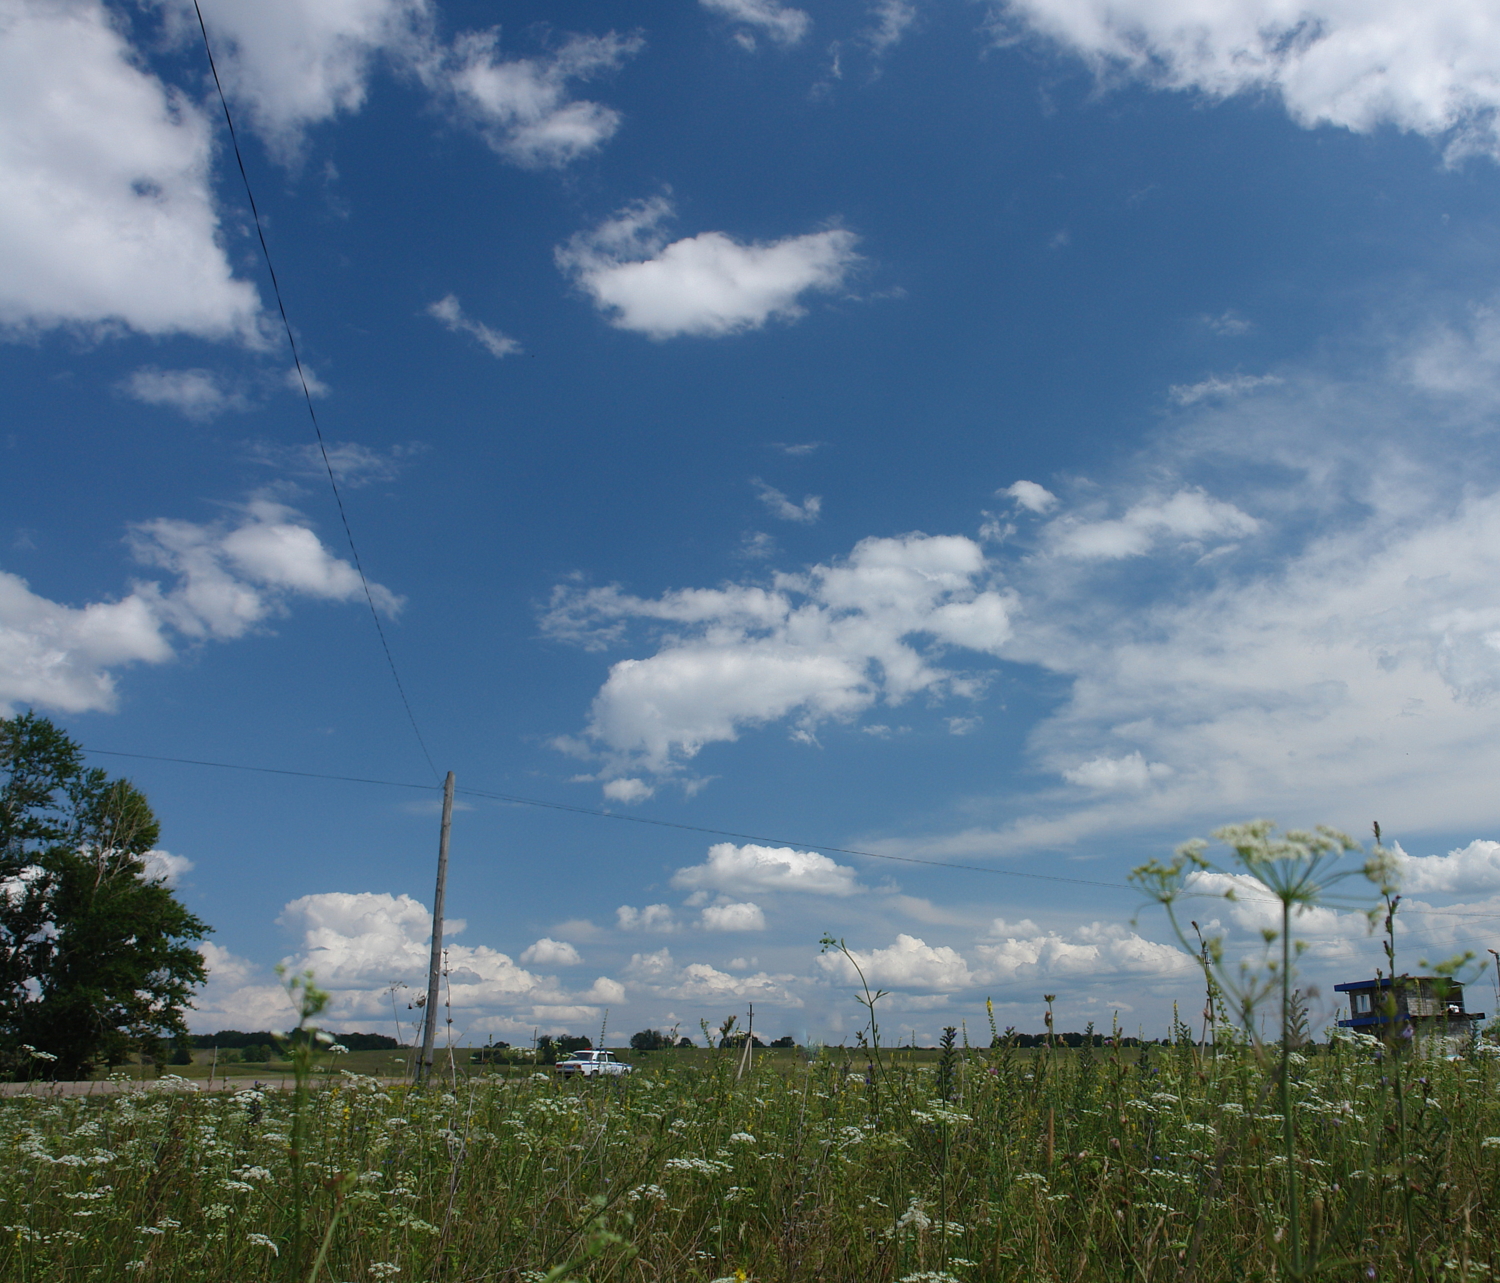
[96, 958]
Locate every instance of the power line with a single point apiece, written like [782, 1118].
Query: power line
[307, 393]
[517, 800]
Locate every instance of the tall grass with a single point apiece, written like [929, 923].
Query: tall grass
[1101, 1163]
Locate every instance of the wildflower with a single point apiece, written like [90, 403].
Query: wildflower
[384, 1270]
[1490, 1142]
[742, 1138]
[263, 1240]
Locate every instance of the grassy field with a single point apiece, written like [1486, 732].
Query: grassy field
[1155, 1164]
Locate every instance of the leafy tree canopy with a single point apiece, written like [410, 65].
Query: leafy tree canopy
[96, 959]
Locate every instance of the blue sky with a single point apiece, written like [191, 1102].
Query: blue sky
[1017, 435]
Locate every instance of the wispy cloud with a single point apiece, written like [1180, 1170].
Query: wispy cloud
[778, 505]
[198, 394]
[777, 22]
[448, 311]
[1213, 386]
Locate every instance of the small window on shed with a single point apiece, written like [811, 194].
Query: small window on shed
[1360, 1003]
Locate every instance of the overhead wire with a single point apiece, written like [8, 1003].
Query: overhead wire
[312, 413]
[517, 800]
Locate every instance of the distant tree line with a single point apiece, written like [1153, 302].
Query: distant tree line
[238, 1040]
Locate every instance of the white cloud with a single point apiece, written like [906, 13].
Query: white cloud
[1031, 496]
[746, 916]
[1349, 666]
[1213, 386]
[448, 311]
[892, 20]
[237, 996]
[826, 644]
[1229, 324]
[106, 208]
[660, 975]
[1359, 64]
[1105, 773]
[295, 380]
[1095, 951]
[234, 576]
[196, 393]
[707, 284]
[750, 868]
[778, 505]
[1459, 360]
[166, 868]
[361, 944]
[523, 106]
[353, 464]
[548, 952]
[60, 656]
[230, 577]
[777, 22]
[627, 789]
[909, 963]
[1190, 516]
[291, 64]
[1475, 867]
[654, 917]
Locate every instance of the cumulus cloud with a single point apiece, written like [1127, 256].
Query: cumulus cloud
[523, 106]
[628, 789]
[548, 952]
[1129, 772]
[291, 64]
[709, 284]
[909, 963]
[1093, 951]
[654, 917]
[106, 207]
[1031, 496]
[1189, 516]
[748, 869]
[659, 975]
[230, 577]
[778, 22]
[778, 505]
[1358, 64]
[448, 311]
[825, 644]
[1475, 867]
[237, 995]
[731, 916]
[368, 948]
[166, 868]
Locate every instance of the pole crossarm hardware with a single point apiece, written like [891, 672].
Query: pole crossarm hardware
[429, 1024]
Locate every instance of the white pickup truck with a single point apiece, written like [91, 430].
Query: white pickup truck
[591, 1064]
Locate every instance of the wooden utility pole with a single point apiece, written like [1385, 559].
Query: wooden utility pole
[429, 1024]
